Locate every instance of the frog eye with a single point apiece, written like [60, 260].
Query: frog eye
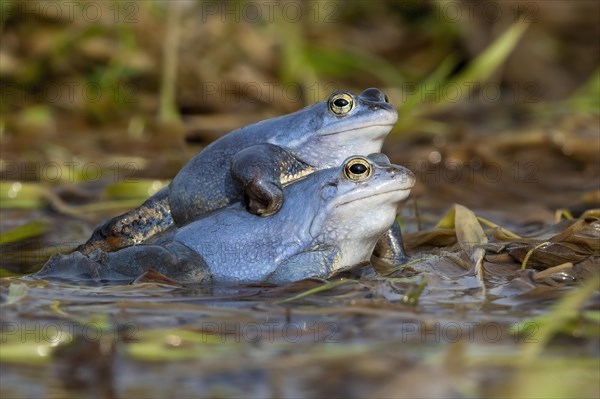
[341, 103]
[357, 169]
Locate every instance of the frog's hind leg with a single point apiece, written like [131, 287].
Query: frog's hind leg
[78, 268]
[172, 259]
[133, 227]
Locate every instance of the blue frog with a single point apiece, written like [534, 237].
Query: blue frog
[328, 223]
[256, 162]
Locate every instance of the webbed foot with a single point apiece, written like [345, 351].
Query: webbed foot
[257, 173]
[263, 199]
[133, 227]
[389, 251]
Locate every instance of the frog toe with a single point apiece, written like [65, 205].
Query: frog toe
[388, 261]
[264, 200]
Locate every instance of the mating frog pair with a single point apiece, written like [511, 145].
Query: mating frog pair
[275, 188]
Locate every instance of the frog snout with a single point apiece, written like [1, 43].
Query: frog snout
[410, 177]
[405, 176]
[375, 95]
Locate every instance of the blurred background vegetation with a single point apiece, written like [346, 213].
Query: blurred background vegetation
[499, 105]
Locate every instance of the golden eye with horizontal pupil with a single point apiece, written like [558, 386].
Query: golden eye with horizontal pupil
[341, 103]
[357, 169]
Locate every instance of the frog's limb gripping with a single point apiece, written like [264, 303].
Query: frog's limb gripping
[133, 227]
[389, 250]
[80, 268]
[260, 171]
[263, 199]
[172, 259]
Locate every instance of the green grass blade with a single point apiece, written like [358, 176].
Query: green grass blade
[587, 98]
[28, 230]
[486, 63]
[561, 314]
[445, 90]
[321, 288]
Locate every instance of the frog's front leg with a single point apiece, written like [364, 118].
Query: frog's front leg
[389, 250]
[318, 262]
[259, 172]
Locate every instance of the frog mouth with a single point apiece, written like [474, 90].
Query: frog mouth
[374, 195]
[389, 125]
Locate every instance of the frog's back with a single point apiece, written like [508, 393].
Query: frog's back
[204, 183]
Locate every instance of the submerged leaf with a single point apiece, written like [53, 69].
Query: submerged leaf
[153, 276]
[530, 252]
[547, 254]
[579, 241]
[503, 233]
[439, 237]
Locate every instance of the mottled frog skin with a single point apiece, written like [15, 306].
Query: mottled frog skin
[329, 222]
[255, 162]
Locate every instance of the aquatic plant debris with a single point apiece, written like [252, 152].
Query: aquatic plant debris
[470, 237]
